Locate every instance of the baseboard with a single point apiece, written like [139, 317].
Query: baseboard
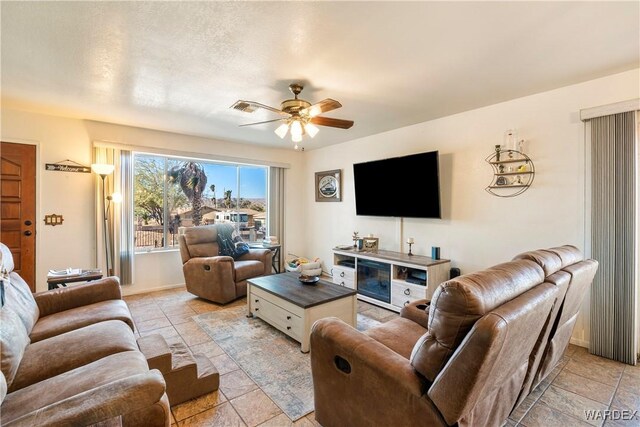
[579, 343]
[129, 289]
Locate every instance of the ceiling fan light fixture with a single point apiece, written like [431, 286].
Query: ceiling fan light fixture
[296, 130]
[282, 130]
[296, 138]
[311, 129]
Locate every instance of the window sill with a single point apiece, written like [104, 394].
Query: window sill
[156, 251]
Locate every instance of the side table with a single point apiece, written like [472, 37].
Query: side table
[275, 248]
[54, 282]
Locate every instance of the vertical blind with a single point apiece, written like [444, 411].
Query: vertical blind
[613, 236]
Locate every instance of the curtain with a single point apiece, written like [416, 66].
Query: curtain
[114, 218]
[614, 216]
[276, 207]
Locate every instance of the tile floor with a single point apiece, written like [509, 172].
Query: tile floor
[580, 382]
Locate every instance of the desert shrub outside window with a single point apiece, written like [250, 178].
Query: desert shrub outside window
[172, 192]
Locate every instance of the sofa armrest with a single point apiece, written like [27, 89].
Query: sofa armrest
[353, 374]
[101, 403]
[331, 337]
[417, 311]
[62, 299]
[262, 255]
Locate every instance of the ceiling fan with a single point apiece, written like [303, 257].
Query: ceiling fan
[297, 115]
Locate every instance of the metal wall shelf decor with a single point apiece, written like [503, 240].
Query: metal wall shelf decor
[513, 173]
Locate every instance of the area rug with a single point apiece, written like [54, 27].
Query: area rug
[269, 357]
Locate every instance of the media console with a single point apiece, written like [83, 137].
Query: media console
[388, 279]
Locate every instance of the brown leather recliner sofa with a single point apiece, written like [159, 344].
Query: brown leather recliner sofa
[213, 277]
[69, 357]
[465, 357]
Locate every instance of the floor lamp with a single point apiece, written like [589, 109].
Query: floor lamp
[104, 170]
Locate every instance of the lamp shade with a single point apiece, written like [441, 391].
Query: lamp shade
[296, 131]
[282, 130]
[311, 129]
[102, 168]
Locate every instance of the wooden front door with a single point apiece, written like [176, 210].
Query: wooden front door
[18, 207]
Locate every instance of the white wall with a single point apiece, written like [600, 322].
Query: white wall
[72, 194]
[477, 230]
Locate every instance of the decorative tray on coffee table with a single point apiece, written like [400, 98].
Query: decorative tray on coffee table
[308, 280]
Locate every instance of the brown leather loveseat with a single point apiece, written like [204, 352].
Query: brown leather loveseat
[69, 357]
[213, 277]
[466, 357]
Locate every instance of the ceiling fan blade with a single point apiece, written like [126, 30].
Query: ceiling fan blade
[334, 123]
[321, 107]
[251, 106]
[259, 123]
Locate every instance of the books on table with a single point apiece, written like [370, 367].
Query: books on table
[70, 272]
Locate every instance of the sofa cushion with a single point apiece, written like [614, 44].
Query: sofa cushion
[569, 254]
[549, 261]
[13, 342]
[399, 334]
[68, 320]
[19, 298]
[6, 259]
[71, 350]
[63, 386]
[248, 269]
[202, 241]
[458, 303]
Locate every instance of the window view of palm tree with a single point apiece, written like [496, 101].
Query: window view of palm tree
[171, 192]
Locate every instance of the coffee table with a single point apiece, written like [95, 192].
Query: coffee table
[285, 303]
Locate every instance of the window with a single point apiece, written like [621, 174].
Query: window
[173, 192]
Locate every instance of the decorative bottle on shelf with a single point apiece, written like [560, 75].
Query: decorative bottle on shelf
[511, 141]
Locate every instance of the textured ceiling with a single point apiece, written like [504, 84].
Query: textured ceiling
[179, 66]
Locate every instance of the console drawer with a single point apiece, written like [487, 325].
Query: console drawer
[402, 293]
[343, 274]
[349, 283]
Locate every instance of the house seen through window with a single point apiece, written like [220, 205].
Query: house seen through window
[173, 192]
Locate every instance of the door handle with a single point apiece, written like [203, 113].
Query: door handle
[28, 233]
[407, 291]
[28, 222]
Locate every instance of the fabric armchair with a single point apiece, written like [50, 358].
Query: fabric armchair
[216, 277]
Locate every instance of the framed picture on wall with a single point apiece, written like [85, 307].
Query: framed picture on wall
[329, 186]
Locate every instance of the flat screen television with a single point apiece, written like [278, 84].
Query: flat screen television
[407, 186]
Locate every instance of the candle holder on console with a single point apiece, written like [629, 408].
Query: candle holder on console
[410, 242]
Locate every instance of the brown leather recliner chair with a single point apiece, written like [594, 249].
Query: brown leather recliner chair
[217, 278]
[467, 366]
